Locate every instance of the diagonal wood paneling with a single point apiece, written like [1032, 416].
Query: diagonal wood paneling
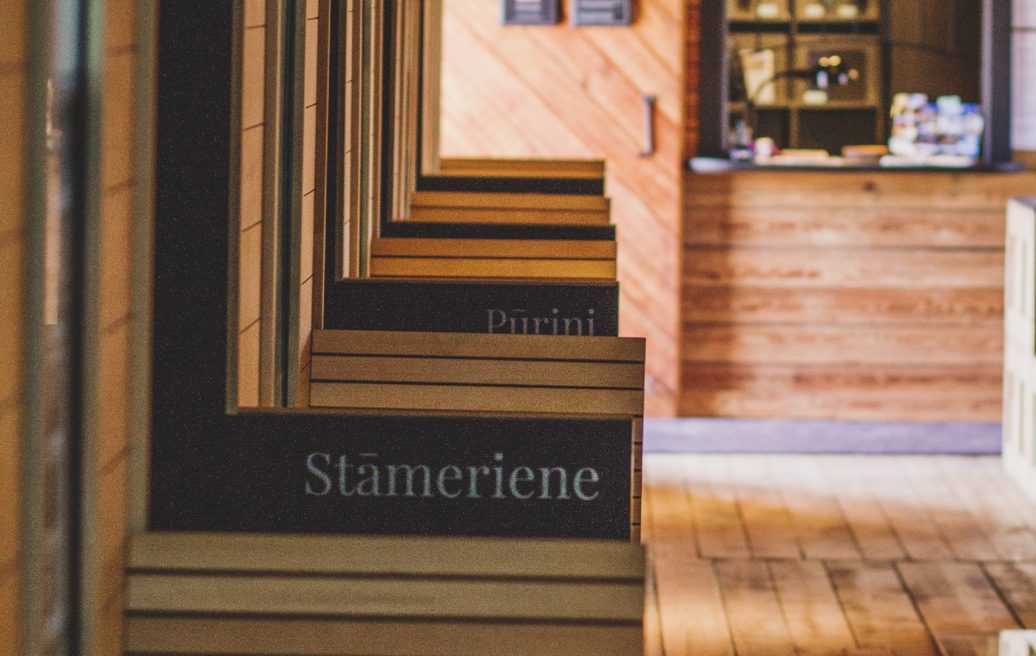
[565, 92]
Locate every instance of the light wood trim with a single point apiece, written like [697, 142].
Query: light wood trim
[519, 216]
[431, 86]
[297, 191]
[473, 398]
[412, 61]
[376, 638]
[409, 598]
[324, 150]
[473, 371]
[538, 347]
[397, 200]
[575, 169]
[272, 203]
[139, 477]
[373, 29]
[495, 200]
[497, 268]
[491, 248]
[392, 556]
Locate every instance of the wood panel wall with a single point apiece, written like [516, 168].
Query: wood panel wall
[566, 92]
[845, 295]
[12, 248]
[251, 182]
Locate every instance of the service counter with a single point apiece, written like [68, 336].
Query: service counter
[858, 294]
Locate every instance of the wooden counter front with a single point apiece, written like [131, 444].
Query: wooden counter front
[852, 295]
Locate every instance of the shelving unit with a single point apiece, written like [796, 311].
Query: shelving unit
[798, 35]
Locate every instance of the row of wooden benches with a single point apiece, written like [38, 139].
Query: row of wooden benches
[534, 235]
[192, 593]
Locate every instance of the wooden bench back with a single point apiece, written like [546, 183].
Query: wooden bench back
[532, 374]
[533, 259]
[485, 374]
[495, 208]
[571, 169]
[377, 596]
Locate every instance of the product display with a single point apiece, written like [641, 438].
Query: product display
[947, 130]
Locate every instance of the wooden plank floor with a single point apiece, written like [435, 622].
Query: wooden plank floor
[835, 555]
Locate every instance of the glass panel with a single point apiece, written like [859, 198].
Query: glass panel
[60, 329]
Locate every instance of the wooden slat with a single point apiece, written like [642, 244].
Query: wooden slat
[530, 269]
[847, 345]
[518, 216]
[808, 268]
[470, 372]
[456, 345]
[880, 612]
[748, 390]
[514, 249]
[490, 200]
[835, 191]
[374, 638]
[474, 398]
[883, 226]
[522, 168]
[811, 608]
[298, 596]
[393, 556]
[930, 306]
[753, 610]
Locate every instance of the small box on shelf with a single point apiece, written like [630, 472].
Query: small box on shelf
[759, 10]
[837, 11]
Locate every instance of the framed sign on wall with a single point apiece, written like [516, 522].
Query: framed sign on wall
[603, 12]
[530, 12]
